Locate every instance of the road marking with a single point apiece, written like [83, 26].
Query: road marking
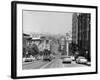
[46, 65]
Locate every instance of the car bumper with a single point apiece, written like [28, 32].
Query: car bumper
[66, 61]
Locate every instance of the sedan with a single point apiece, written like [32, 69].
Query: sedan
[82, 60]
[67, 59]
[28, 60]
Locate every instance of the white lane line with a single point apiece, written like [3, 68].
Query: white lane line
[46, 65]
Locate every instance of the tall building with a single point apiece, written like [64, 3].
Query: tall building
[81, 33]
[84, 34]
[75, 28]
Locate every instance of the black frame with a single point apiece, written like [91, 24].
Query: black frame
[14, 38]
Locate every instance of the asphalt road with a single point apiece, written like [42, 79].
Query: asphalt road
[55, 63]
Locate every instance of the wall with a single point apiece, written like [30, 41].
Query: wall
[5, 40]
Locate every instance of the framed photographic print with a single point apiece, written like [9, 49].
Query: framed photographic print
[50, 39]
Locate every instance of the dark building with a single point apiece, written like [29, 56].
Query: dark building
[81, 33]
[84, 34]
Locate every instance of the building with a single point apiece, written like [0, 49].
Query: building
[72, 46]
[41, 41]
[45, 42]
[36, 38]
[84, 34]
[26, 43]
[75, 28]
[62, 47]
[81, 33]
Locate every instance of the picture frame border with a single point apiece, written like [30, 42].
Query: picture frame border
[14, 38]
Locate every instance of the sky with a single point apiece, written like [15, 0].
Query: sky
[47, 22]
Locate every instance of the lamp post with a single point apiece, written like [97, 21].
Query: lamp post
[67, 43]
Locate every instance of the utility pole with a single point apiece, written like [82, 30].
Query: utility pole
[67, 43]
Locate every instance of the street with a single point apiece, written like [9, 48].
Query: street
[55, 63]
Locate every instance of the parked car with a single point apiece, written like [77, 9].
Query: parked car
[28, 60]
[81, 60]
[39, 58]
[24, 59]
[47, 59]
[67, 59]
[33, 58]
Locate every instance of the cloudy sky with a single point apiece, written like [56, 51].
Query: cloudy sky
[47, 22]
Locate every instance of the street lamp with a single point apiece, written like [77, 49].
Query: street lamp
[67, 43]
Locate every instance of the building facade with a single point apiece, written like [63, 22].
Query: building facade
[75, 28]
[84, 34]
[81, 33]
[62, 46]
[26, 43]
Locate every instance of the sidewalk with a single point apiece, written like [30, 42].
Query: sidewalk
[24, 63]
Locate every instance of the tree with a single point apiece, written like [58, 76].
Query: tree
[34, 50]
[24, 52]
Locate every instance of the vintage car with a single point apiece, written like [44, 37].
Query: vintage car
[81, 60]
[67, 59]
[28, 60]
